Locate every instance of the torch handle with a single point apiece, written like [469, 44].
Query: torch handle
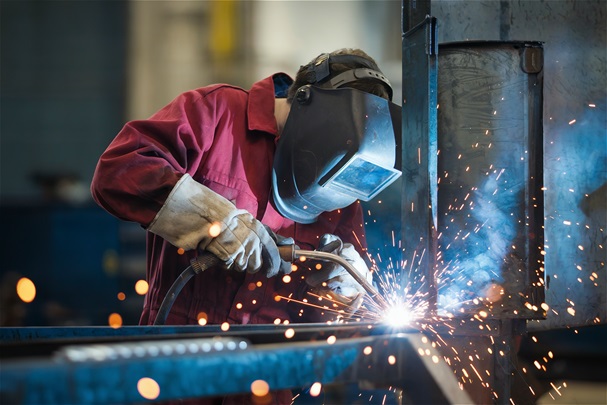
[374, 295]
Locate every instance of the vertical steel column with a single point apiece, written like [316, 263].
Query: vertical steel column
[419, 149]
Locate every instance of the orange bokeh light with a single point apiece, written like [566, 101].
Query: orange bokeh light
[315, 389]
[214, 229]
[148, 388]
[115, 320]
[260, 388]
[202, 318]
[26, 290]
[494, 293]
[141, 287]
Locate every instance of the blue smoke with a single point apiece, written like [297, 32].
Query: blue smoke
[476, 240]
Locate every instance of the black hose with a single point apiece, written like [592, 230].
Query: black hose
[197, 265]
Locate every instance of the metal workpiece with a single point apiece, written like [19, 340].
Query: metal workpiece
[472, 209]
[255, 333]
[30, 342]
[89, 365]
[149, 349]
[35, 341]
[490, 197]
[229, 366]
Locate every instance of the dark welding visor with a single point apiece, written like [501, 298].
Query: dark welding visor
[337, 146]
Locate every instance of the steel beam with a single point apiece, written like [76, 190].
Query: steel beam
[188, 368]
[419, 162]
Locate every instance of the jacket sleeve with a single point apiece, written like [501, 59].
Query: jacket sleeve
[141, 166]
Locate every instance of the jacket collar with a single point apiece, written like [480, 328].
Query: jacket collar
[260, 108]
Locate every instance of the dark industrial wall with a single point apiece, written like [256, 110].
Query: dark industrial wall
[62, 100]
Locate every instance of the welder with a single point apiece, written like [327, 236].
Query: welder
[233, 172]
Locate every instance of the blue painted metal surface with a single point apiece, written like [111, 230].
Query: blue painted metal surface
[112, 378]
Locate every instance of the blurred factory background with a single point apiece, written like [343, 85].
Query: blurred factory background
[73, 72]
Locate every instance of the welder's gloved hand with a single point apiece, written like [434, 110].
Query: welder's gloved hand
[334, 280]
[194, 216]
[285, 267]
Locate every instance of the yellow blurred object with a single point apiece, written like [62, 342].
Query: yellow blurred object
[223, 28]
[110, 262]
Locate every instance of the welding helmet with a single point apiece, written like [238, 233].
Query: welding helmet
[338, 145]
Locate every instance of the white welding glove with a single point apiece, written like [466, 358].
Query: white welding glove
[241, 241]
[333, 280]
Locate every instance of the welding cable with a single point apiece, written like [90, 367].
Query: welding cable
[197, 265]
[288, 253]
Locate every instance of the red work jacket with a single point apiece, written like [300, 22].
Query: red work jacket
[225, 138]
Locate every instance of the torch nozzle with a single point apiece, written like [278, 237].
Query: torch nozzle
[290, 253]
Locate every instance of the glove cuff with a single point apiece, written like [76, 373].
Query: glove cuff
[188, 213]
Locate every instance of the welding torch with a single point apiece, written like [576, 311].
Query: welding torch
[288, 253]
